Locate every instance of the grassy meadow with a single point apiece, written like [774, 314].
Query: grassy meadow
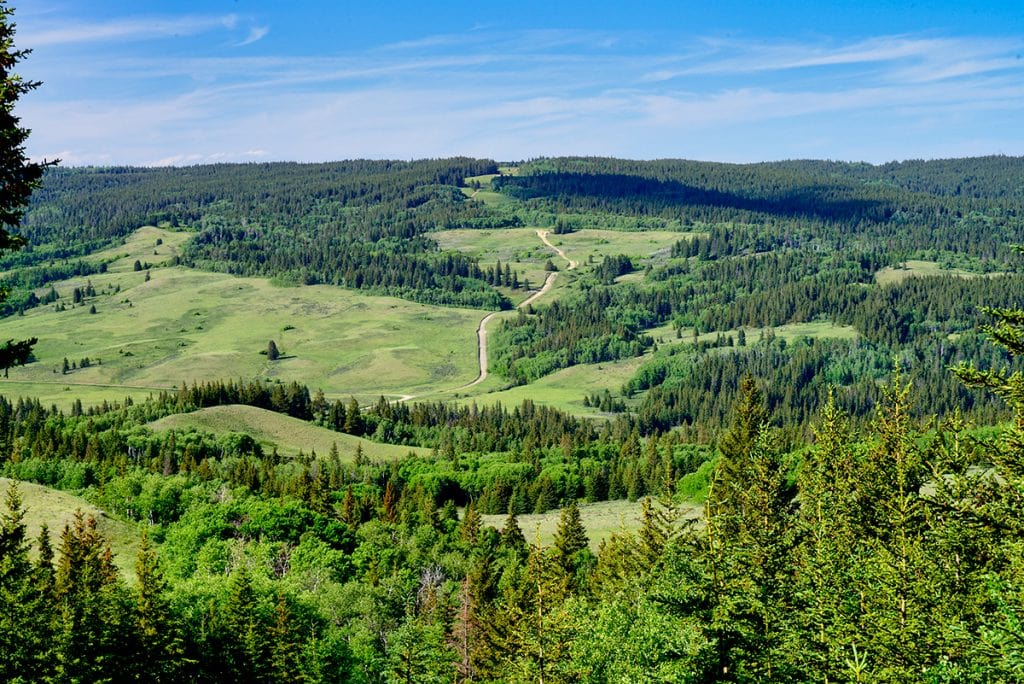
[518, 247]
[602, 519]
[289, 435]
[666, 334]
[914, 267]
[187, 325]
[595, 244]
[56, 509]
[564, 389]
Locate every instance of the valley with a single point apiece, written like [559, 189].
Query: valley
[368, 387]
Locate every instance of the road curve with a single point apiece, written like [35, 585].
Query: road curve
[543, 235]
[481, 331]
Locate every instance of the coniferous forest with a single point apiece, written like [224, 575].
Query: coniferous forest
[841, 510]
[842, 507]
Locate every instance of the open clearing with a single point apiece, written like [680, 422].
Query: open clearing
[57, 509]
[601, 519]
[585, 244]
[564, 389]
[188, 325]
[666, 334]
[518, 247]
[908, 269]
[289, 435]
[142, 246]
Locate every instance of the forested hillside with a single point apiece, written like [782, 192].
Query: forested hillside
[904, 254]
[769, 351]
[356, 224]
[890, 556]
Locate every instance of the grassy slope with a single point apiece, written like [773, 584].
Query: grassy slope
[187, 325]
[642, 245]
[57, 508]
[601, 519]
[520, 246]
[911, 268]
[564, 389]
[141, 245]
[290, 435]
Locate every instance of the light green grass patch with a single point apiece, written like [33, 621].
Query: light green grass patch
[488, 197]
[188, 325]
[289, 435]
[141, 245]
[815, 329]
[518, 247]
[507, 244]
[56, 509]
[484, 181]
[565, 388]
[893, 275]
[601, 519]
[666, 334]
[597, 244]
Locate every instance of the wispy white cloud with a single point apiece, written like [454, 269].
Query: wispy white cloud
[135, 29]
[926, 55]
[255, 33]
[193, 158]
[518, 94]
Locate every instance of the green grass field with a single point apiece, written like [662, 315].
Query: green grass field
[56, 509]
[908, 269]
[289, 435]
[142, 246]
[187, 325]
[518, 247]
[564, 389]
[594, 244]
[523, 245]
[601, 519]
[666, 334]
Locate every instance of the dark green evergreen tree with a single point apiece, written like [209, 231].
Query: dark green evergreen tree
[26, 621]
[96, 636]
[247, 631]
[570, 539]
[158, 634]
[18, 175]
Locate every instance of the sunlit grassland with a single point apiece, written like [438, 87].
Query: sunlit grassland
[601, 519]
[289, 435]
[56, 509]
[666, 334]
[187, 325]
[564, 389]
[595, 244]
[142, 246]
[518, 247]
[891, 275]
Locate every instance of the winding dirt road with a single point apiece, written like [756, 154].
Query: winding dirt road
[481, 331]
[543, 235]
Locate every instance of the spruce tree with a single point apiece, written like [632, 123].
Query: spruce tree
[18, 175]
[570, 538]
[161, 644]
[96, 636]
[472, 523]
[26, 619]
[246, 630]
[512, 535]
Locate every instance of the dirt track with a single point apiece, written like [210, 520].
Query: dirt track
[481, 331]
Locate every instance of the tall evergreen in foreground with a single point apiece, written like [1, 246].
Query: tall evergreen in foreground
[18, 176]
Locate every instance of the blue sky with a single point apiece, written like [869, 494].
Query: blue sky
[186, 82]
